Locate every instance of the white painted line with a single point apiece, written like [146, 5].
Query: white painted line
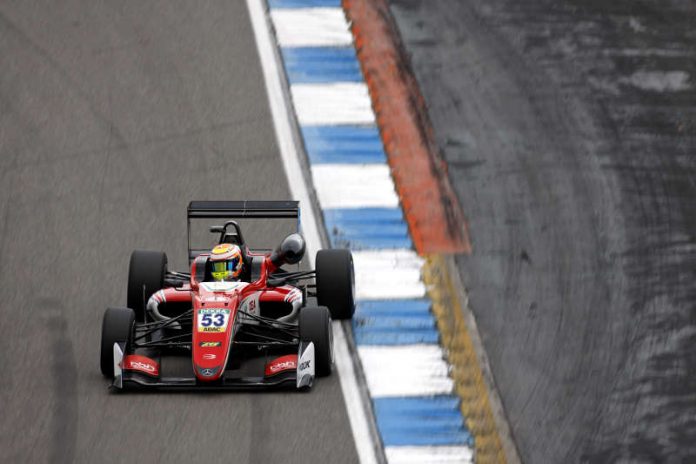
[388, 274]
[337, 103]
[279, 110]
[429, 454]
[354, 186]
[311, 27]
[291, 162]
[405, 370]
[351, 394]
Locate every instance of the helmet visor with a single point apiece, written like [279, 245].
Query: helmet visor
[230, 265]
[220, 266]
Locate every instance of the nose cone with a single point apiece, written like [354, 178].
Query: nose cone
[213, 327]
[210, 355]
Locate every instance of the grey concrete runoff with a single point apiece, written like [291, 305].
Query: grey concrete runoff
[569, 131]
[115, 115]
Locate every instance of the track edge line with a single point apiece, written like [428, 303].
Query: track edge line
[356, 407]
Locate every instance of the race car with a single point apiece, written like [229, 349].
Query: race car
[241, 317]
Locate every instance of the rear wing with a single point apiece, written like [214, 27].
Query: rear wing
[239, 210]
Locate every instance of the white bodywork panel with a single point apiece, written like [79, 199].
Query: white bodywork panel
[305, 365]
[118, 359]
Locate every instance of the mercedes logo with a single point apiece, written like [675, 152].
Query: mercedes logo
[207, 372]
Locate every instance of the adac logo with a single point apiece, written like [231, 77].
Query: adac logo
[211, 329]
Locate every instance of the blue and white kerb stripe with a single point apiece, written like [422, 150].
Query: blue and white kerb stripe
[416, 412]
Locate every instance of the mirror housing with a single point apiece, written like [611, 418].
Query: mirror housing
[290, 251]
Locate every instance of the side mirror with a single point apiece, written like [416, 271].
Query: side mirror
[216, 229]
[290, 251]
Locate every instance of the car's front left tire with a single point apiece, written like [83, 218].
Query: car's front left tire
[336, 282]
[315, 327]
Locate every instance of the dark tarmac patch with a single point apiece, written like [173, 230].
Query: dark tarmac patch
[582, 212]
[63, 376]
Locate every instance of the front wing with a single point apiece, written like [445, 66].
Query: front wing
[141, 378]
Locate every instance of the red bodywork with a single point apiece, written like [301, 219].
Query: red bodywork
[142, 364]
[215, 314]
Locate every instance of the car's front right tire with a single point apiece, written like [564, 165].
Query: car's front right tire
[117, 327]
[146, 273]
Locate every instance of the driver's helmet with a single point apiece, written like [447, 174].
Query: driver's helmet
[226, 262]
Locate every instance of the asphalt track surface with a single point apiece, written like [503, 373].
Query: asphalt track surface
[569, 128]
[115, 115]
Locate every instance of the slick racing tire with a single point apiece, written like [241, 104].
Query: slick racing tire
[315, 327]
[336, 282]
[146, 271]
[117, 327]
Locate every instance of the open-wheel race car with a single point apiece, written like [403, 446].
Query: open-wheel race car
[243, 319]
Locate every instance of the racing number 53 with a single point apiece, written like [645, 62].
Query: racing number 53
[215, 319]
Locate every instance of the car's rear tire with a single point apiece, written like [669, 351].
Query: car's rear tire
[315, 327]
[117, 327]
[147, 270]
[336, 282]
